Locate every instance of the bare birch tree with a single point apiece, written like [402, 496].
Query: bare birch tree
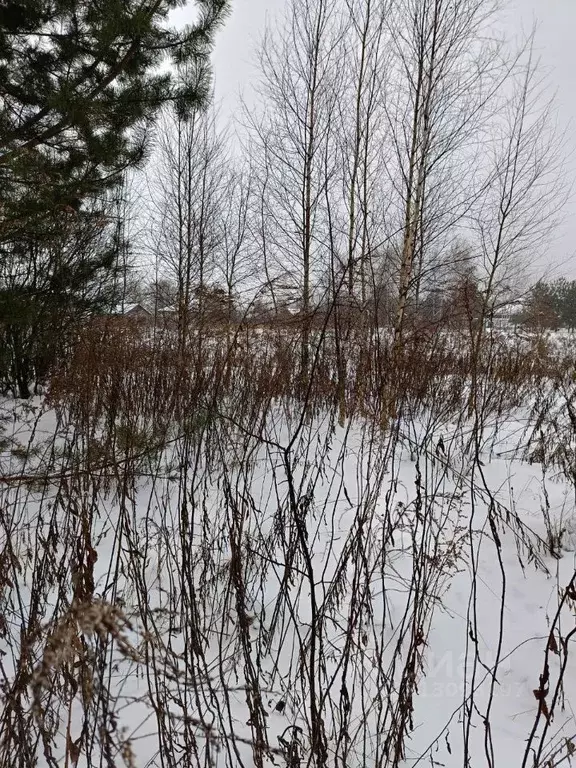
[360, 132]
[447, 70]
[523, 193]
[357, 201]
[187, 194]
[298, 65]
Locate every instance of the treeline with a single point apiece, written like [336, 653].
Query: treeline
[550, 305]
[395, 166]
[455, 304]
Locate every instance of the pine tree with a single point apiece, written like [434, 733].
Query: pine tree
[551, 305]
[81, 83]
[50, 285]
[463, 308]
[80, 86]
[540, 310]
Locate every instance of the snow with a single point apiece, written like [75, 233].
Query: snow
[411, 550]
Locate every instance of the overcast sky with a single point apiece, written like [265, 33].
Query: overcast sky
[234, 66]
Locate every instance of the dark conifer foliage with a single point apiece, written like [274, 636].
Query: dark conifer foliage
[81, 83]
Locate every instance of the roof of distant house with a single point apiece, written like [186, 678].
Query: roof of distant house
[128, 309]
[514, 308]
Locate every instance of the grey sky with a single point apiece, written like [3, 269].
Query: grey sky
[556, 45]
[235, 71]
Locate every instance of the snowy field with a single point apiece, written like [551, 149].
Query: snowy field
[312, 594]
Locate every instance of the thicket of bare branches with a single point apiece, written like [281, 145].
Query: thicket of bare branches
[228, 529]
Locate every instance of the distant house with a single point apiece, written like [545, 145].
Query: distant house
[167, 317]
[506, 317]
[137, 311]
[169, 311]
[133, 312]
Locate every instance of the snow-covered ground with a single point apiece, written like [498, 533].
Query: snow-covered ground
[374, 600]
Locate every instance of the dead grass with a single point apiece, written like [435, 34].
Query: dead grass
[160, 555]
